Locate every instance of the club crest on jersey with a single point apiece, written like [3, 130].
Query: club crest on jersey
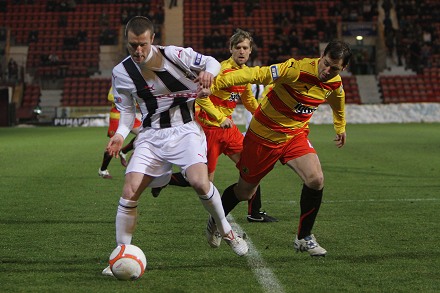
[198, 59]
[118, 100]
[149, 87]
[274, 72]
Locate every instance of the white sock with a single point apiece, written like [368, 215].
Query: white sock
[126, 218]
[212, 202]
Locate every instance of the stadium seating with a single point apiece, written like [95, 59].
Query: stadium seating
[74, 34]
[351, 90]
[84, 91]
[409, 89]
[31, 99]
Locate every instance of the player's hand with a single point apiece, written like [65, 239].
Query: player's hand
[115, 145]
[203, 92]
[340, 139]
[205, 79]
[228, 123]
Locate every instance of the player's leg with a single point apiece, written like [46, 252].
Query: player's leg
[234, 149]
[191, 159]
[144, 166]
[211, 201]
[103, 172]
[124, 151]
[309, 169]
[126, 216]
[256, 160]
[255, 214]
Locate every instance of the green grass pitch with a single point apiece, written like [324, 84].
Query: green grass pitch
[379, 219]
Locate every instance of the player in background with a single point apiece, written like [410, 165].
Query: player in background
[254, 204]
[223, 136]
[279, 129]
[164, 82]
[112, 127]
[215, 116]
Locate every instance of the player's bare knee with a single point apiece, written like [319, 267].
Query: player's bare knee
[129, 193]
[315, 182]
[201, 187]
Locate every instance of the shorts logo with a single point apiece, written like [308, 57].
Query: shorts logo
[245, 170]
[198, 59]
[274, 72]
[118, 99]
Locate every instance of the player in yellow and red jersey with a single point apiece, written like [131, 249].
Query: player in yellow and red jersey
[279, 129]
[112, 127]
[215, 117]
[222, 135]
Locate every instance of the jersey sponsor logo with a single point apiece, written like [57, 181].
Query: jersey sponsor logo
[181, 96]
[118, 100]
[303, 109]
[198, 59]
[274, 72]
[234, 97]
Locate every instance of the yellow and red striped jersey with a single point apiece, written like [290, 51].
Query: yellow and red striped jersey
[114, 113]
[295, 95]
[222, 102]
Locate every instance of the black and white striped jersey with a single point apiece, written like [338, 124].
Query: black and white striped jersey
[163, 87]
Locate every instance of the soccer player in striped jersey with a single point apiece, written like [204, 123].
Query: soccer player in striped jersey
[163, 81]
[279, 129]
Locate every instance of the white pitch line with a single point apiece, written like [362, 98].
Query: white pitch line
[373, 200]
[262, 272]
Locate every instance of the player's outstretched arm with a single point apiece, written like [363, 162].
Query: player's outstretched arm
[115, 145]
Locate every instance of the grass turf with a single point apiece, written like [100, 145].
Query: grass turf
[378, 219]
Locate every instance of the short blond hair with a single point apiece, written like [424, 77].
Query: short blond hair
[239, 36]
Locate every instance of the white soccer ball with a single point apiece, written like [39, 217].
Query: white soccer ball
[127, 262]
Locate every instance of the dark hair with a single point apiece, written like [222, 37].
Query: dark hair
[338, 50]
[239, 36]
[139, 25]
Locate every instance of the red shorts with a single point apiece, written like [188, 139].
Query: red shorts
[114, 123]
[257, 160]
[226, 141]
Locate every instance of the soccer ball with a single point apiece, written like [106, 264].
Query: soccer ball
[127, 262]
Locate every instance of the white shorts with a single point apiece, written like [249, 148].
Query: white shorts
[157, 150]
